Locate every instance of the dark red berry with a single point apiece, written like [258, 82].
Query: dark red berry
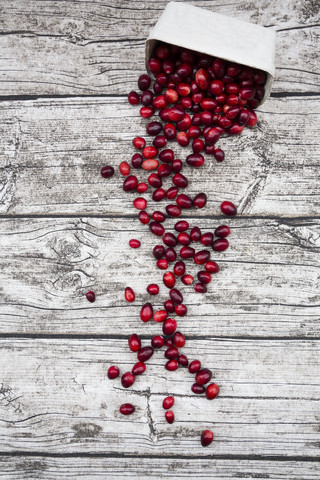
[113, 372]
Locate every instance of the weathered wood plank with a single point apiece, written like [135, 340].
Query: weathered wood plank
[50, 468]
[88, 50]
[268, 284]
[52, 152]
[56, 397]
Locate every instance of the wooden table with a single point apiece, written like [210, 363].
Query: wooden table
[66, 69]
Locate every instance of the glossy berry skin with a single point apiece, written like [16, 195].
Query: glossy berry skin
[146, 312]
[201, 257]
[134, 342]
[129, 295]
[198, 389]
[124, 168]
[145, 354]
[158, 251]
[140, 203]
[130, 183]
[206, 438]
[133, 243]
[127, 409]
[169, 415]
[204, 277]
[203, 376]
[220, 245]
[195, 234]
[113, 372]
[144, 218]
[91, 296]
[169, 279]
[156, 228]
[222, 231]
[200, 200]
[162, 263]
[127, 379]
[183, 360]
[153, 289]
[168, 402]
[139, 368]
[176, 296]
[171, 353]
[181, 310]
[228, 208]
[160, 316]
[169, 306]
[179, 269]
[187, 279]
[179, 340]
[212, 391]
[212, 267]
[200, 288]
[157, 341]
[169, 326]
[194, 366]
[181, 226]
[107, 171]
[133, 98]
[171, 365]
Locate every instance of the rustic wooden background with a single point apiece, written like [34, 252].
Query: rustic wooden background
[66, 68]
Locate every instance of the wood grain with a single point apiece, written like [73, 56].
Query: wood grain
[55, 396]
[52, 152]
[268, 284]
[53, 468]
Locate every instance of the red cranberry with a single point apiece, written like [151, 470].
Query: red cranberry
[187, 252]
[201, 257]
[145, 354]
[130, 183]
[202, 79]
[134, 342]
[146, 312]
[184, 239]
[197, 145]
[181, 226]
[195, 234]
[179, 339]
[172, 365]
[169, 279]
[243, 117]
[176, 296]
[187, 279]
[216, 87]
[170, 131]
[198, 389]
[179, 268]
[204, 277]
[206, 239]
[140, 203]
[228, 208]
[146, 112]
[139, 143]
[194, 366]
[136, 162]
[220, 245]
[184, 201]
[144, 82]
[158, 195]
[206, 438]
[162, 264]
[169, 306]
[138, 368]
[91, 296]
[156, 228]
[171, 255]
[200, 200]
[113, 372]
[171, 95]
[252, 120]
[203, 376]
[154, 65]
[172, 193]
[146, 97]
[160, 316]
[157, 341]
[195, 159]
[144, 218]
[183, 139]
[153, 289]
[133, 98]
[169, 239]
[160, 141]
[127, 409]
[169, 414]
[181, 310]
[176, 165]
[107, 171]
[158, 251]
[200, 288]
[212, 391]
[167, 403]
[160, 101]
[168, 342]
[127, 379]
[129, 295]
[212, 267]
[173, 210]
[150, 164]
[171, 353]
[150, 152]
[169, 326]
[218, 154]
[222, 231]
[124, 168]
[133, 243]
[183, 360]
[142, 187]
[154, 180]
[212, 136]
[180, 180]
[164, 170]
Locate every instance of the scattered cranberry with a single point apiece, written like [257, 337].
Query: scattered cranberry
[198, 389]
[139, 368]
[172, 365]
[144, 354]
[169, 416]
[127, 409]
[168, 403]
[133, 243]
[212, 391]
[113, 372]
[127, 379]
[107, 171]
[194, 366]
[157, 341]
[228, 208]
[203, 376]
[206, 438]
[91, 296]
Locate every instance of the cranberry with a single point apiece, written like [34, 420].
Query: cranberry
[127, 409]
[164, 170]
[204, 277]
[159, 141]
[180, 180]
[140, 203]
[212, 136]
[91, 296]
[154, 180]
[169, 326]
[171, 255]
[168, 342]
[252, 120]
[145, 353]
[127, 379]
[130, 183]
[201, 257]
[154, 65]
[176, 165]
[195, 159]
[169, 414]
[206, 438]
[181, 310]
[146, 312]
[172, 365]
[187, 279]
[134, 342]
[107, 171]
[197, 145]
[169, 306]
[160, 316]
[184, 239]
[144, 82]
[222, 231]
[212, 267]
[146, 112]
[173, 210]
[153, 289]
[187, 252]
[184, 201]
[195, 234]
[133, 243]
[157, 341]
[198, 389]
[218, 154]
[183, 360]
[171, 353]
[172, 193]
[203, 376]
[220, 245]
[207, 239]
[158, 251]
[113, 372]
[169, 279]
[200, 200]
[133, 98]
[179, 268]
[179, 339]
[169, 239]
[181, 226]
[200, 288]
[176, 296]
[228, 208]
[146, 98]
[150, 164]
[136, 161]
[168, 403]
[162, 264]
[144, 218]
[139, 143]
[194, 366]
[138, 368]
[124, 168]
[212, 391]
[158, 194]
[156, 228]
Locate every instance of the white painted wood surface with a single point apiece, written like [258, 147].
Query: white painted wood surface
[66, 68]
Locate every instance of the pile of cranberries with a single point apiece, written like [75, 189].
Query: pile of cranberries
[198, 100]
